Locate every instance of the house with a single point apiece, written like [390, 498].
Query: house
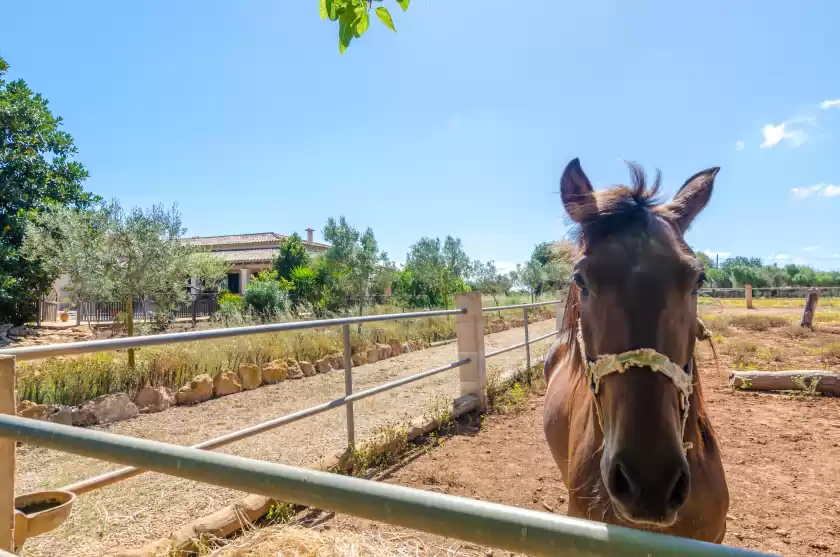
[248, 254]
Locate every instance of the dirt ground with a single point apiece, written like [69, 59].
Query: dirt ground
[781, 455]
[136, 511]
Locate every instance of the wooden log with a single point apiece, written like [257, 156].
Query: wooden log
[748, 295]
[810, 308]
[827, 382]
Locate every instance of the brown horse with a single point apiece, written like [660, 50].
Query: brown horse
[624, 412]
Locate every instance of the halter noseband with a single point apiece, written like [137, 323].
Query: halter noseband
[606, 364]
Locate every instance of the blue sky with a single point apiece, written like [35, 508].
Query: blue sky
[245, 115]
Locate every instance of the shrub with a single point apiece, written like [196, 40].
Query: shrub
[266, 299]
[758, 323]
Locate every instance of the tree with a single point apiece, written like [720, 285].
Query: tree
[122, 255]
[439, 268]
[704, 260]
[292, 254]
[353, 17]
[532, 276]
[70, 241]
[36, 170]
[355, 256]
[207, 270]
[488, 280]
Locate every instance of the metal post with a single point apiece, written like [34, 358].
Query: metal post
[527, 348]
[7, 455]
[348, 388]
[469, 327]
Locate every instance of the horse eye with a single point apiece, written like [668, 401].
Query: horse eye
[700, 281]
[581, 284]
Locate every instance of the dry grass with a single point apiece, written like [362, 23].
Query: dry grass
[830, 354]
[757, 323]
[298, 541]
[71, 381]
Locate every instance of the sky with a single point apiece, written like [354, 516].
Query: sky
[246, 116]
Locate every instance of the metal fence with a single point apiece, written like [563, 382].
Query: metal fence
[479, 522]
[204, 305]
[780, 292]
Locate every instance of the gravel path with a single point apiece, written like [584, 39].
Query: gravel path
[136, 511]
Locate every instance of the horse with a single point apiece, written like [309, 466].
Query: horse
[624, 415]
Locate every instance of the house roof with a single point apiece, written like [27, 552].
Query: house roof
[255, 238]
[254, 255]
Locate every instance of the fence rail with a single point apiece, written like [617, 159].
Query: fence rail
[769, 292]
[475, 521]
[509, 528]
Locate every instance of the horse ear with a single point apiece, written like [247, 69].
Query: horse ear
[576, 192]
[693, 197]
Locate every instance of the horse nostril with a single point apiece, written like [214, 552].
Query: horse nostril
[620, 484]
[679, 490]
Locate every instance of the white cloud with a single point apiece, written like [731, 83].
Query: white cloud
[713, 254]
[826, 190]
[811, 248]
[780, 257]
[825, 105]
[739, 145]
[805, 191]
[773, 135]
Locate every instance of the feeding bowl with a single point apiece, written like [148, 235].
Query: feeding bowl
[40, 512]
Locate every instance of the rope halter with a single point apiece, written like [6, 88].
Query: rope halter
[607, 364]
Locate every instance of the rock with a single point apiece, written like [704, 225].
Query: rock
[306, 368]
[63, 416]
[29, 409]
[274, 372]
[406, 348]
[4, 328]
[226, 383]
[111, 408]
[337, 361]
[82, 417]
[293, 370]
[323, 365]
[250, 375]
[199, 390]
[153, 399]
[396, 347]
[373, 355]
[384, 351]
[359, 360]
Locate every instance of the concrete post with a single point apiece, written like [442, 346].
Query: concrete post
[470, 330]
[7, 455]
[748, 295]
[244, 276]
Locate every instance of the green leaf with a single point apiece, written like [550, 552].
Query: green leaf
[362, 25]
[322, 9]
[345, 35]
[403, 4]
[332, 9]
[385, 17]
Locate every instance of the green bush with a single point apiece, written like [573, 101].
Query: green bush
[265, 299]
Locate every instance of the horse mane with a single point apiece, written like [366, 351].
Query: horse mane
[622, 208]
